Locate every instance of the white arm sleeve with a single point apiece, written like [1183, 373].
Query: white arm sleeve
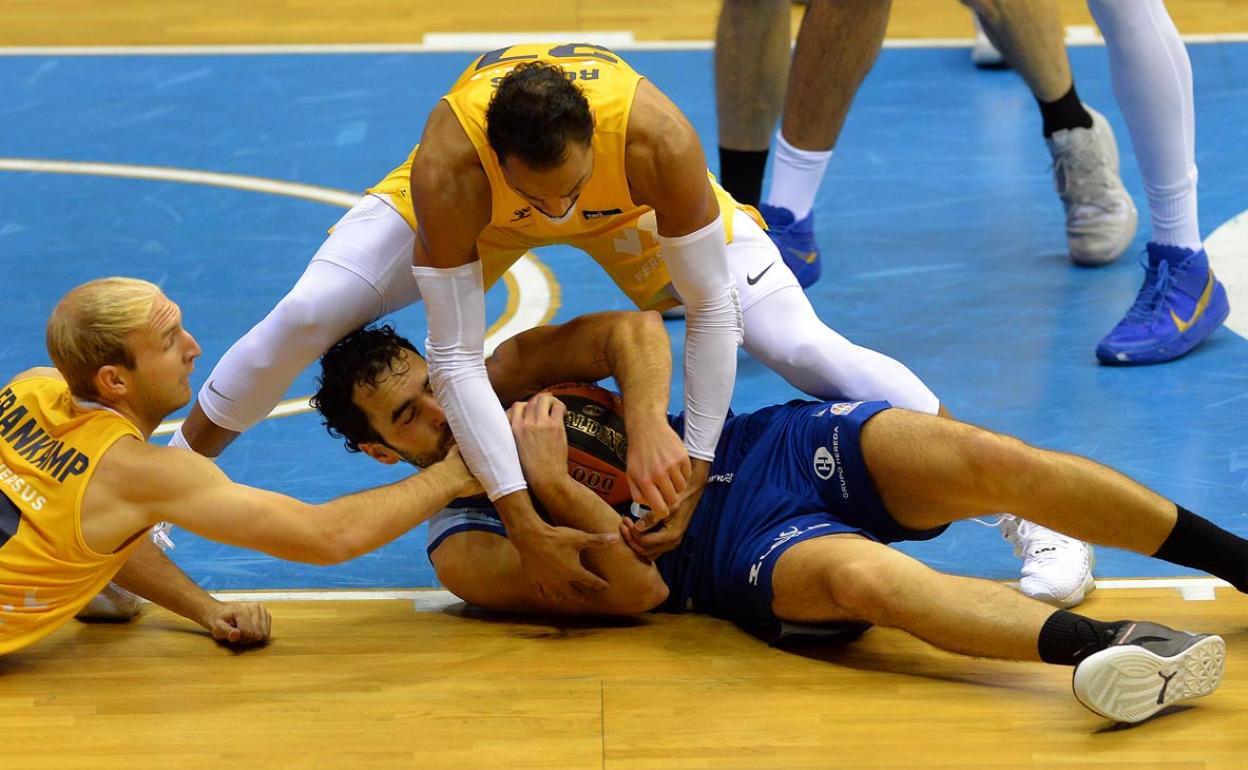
[698, 265]
[455, 308]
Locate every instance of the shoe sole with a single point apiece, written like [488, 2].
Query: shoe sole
[1182, 346]
[1127, 683]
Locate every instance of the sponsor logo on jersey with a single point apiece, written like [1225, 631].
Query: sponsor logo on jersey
[600, 214]
[845, 408]
[786, 534]
[825, 466]
[523, 213]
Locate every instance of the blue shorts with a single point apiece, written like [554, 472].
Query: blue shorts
[782, 475]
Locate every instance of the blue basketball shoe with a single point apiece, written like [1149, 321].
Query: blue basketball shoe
[1179, 305]
[795, 240]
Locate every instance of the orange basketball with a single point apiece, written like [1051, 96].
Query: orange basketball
[597, 446]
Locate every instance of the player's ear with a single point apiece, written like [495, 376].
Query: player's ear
[380, 452]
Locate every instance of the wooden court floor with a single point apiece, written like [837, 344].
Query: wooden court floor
[375, 684]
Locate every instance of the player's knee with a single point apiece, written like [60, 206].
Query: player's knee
[857, 591]
[300, 317]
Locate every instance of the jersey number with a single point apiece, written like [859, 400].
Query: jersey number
[567, 51]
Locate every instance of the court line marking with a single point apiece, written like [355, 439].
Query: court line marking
[433, 599]
[1227, 247]
[533, 295]
[445, 42]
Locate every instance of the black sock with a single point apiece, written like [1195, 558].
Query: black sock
[741, 174]
[1066, 112]
[1067, 638]
[1199, 543]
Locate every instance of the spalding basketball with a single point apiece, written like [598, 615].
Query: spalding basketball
[597, 446]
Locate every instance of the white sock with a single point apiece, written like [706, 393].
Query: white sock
[1152, 79]
[795, 177]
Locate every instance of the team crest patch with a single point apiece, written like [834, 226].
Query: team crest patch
[845, 408]
[825, 466]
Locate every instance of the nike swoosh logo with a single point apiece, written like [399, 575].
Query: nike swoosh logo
[751, 280]
[1201, 304]
[219, 393]
[808, 257]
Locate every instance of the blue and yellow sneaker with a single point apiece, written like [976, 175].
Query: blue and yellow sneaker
[1179, 305]
[795, 240]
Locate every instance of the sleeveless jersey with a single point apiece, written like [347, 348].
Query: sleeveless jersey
[606, 223]
[49, 448]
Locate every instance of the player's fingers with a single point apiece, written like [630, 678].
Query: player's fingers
[655, 502]
[221, 628]
[634, 490]
[649, 521]
[629, 536]
[654, 544]
[679, 480]
[667, 491]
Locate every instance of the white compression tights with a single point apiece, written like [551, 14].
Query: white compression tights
[1152, 77]
[325, 304]
[361, 272]
[783, 332]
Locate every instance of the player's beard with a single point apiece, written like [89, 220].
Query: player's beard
[437, 454]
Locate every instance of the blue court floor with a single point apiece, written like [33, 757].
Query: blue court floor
[942, 234]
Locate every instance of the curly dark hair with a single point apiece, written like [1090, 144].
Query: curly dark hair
[535, 113]
[360, 358]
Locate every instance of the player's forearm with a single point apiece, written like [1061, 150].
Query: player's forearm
[152, 575]
[518, 515]
[699, 269]
[455, 310]
[640, 359]
[357, 524]
[633, 583]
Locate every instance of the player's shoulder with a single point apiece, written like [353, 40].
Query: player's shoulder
[128, 467]
[447, 165]
[34, 372]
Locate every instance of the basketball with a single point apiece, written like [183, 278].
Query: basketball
[597, 445]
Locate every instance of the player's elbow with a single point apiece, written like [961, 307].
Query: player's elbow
[332, 542]
[636, 596]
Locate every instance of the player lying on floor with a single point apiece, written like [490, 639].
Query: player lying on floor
[80, 487]
[794, 522]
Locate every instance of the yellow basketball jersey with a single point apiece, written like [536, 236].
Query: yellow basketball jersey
[49, 448]
[605, 223]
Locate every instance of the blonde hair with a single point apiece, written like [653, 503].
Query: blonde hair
[89, 326]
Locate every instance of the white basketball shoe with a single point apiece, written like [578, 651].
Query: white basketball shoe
[1100, 215]
[1057, 569]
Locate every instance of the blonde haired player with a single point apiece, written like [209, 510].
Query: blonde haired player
[80, 487]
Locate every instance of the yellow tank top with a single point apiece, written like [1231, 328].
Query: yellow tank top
[606, 222]
[49, 448]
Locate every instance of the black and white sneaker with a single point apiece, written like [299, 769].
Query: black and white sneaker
[1146, 668]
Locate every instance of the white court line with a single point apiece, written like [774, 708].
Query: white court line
[432, 600]
[479, 43]
[537, 290]
[1227, 247]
